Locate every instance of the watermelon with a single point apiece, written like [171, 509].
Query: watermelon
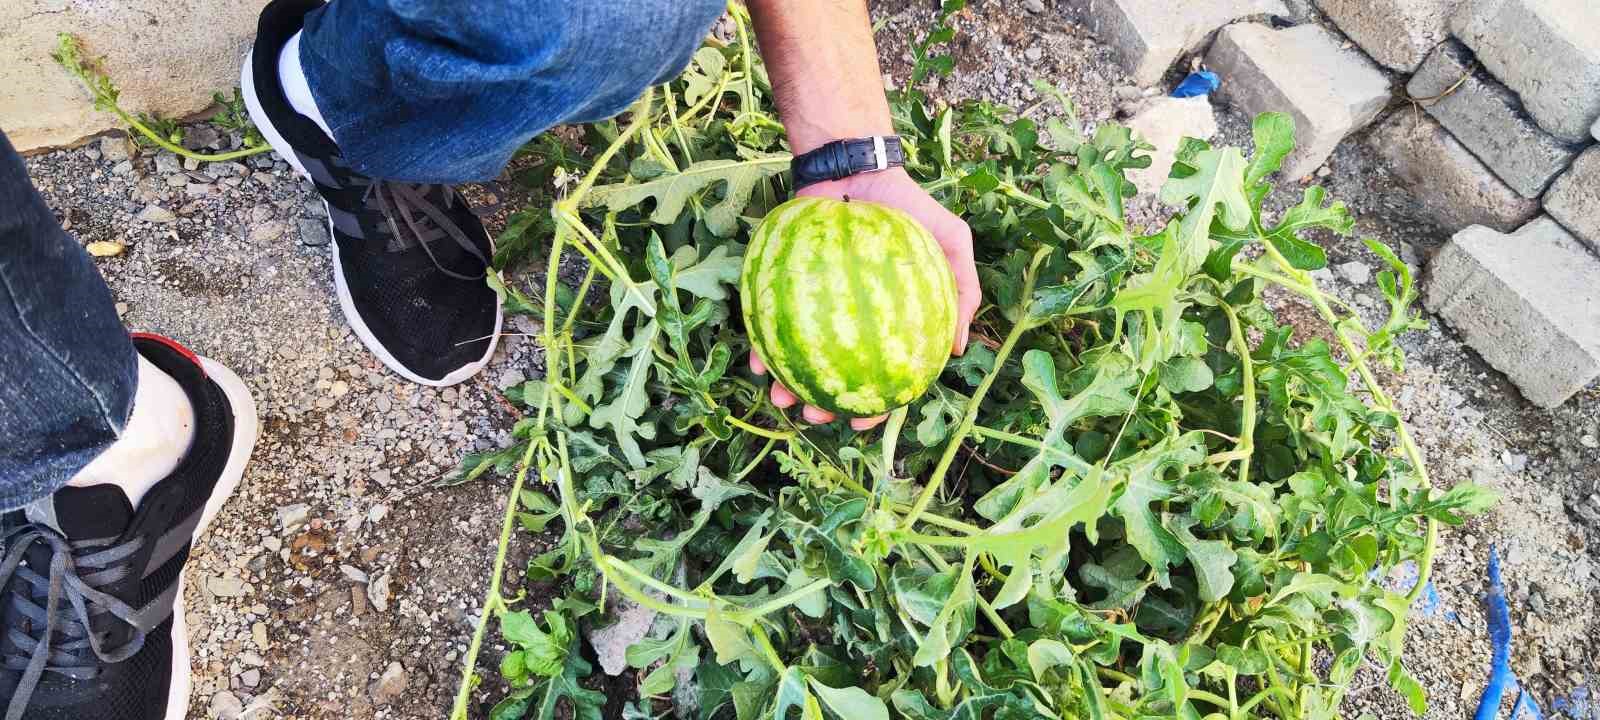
[851, 305]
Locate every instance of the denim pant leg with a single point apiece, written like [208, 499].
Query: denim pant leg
[445, 91]
[67, 368]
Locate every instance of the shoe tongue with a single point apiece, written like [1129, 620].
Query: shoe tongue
[84, 513]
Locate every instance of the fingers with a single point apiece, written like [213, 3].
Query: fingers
[816, 415]
[956, 240]
[862, 424]
[756, 366]
[781, 397]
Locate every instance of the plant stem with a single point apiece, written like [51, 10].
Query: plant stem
[1247, 415]
[176, 149]
[492, 600]
[760, 431]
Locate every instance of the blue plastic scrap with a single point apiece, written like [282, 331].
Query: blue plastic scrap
[1200, 82]
[1501, 678]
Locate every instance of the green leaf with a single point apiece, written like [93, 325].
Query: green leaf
[792, 692]
[1186, 374]
[1211, 559]
[543, 652]
[729, 639]
[1146, 472]
[1214, 192]
[671, 191]
[850, 703]
[953, 622]
[623, 412]
[1274, 140]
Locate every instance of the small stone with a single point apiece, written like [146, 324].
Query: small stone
[122, 168]
[1354, 272]
[157, 214]
[115, 149]
[272, 544]
[1033, 6]
[1515, 462]
[383, 477]
[168, 164]
[1589, 441]
[1033, 54]
[512, 377]
[226, 706]
[179, 180]
[377, 513]
[378, 592]
[265, 178]
[202, 136]
[250, 678]
[226, 586]
[339, 388]
[293, 516]
[390, 685]
[353, 573]
[258, 633]
[358, 600]
[313, 232]
[266, 232]
[190, 163]
[122, 309]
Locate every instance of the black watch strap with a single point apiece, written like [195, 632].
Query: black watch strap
[843, 158]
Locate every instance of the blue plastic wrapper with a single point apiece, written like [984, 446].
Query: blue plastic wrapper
[1501, 679]
[1198, 83]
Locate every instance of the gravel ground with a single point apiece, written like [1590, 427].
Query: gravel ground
[342, 582]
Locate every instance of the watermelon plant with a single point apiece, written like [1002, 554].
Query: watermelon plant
[1138, 494]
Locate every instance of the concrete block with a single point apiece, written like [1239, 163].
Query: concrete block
[1548, 51]
[1455, 187]
[1304, 71]
[166, 57]
[1574, 199]
[1148, 36]
[1396, 33]
[1489, 120]
[1528, 302]
[1163, 121]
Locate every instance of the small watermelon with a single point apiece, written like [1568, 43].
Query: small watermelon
[851, 305]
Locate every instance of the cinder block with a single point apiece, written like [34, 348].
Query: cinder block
[1528, 302]
[1304, 71]
[1149, 35]
[1489, 120]
[1455, 187]
[1574, 199]
[1396, 33]
[1163, 121]
[1548, 51]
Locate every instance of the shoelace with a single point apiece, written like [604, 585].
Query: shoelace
[406, 205]
[57, 636]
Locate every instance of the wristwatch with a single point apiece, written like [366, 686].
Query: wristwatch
[843, 158]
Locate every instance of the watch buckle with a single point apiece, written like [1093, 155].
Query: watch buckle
[879, 153]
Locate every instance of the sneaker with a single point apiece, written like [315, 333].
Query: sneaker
[91, 588]
[409, 260]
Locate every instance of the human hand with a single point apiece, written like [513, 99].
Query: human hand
[896, 189]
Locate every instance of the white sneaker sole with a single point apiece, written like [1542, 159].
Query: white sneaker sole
[246, 427]
[346, 303]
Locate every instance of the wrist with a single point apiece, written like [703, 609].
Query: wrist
[864, 185]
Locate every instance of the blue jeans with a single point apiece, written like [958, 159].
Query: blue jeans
[419, 90]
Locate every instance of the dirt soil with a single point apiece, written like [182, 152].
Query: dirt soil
[343, 582]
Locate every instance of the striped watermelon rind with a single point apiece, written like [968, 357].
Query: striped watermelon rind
[851, 305]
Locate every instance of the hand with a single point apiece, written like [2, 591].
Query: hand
[896, 189]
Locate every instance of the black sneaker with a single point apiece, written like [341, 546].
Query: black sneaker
[91, 589]
[409, 260]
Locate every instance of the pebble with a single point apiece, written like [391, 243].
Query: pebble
[293, 516]
[390, 685]
[313, 232]
[157, 214]
[1033, 6]
[122, 168]
[178, 180]
[168, 164]
[226, 706]
[1033, 54]
[115, 149]
[190, 163]
[1354, 272]
[258, 633]
[378, 592]
[377, 513]
[339, 388]
[272, 544]
[266, 232]
[1515, 462]
[250, 678]
[1589, 441]
[226, 587]
[202, 136]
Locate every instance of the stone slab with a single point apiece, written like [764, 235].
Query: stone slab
[1162, 122]
[1528, 302]
[1148, 36]
[1548, 51]
[1455, 188]
[167, 57]
[1489, 120]
[1305, 71]
[1574, 199]
[1396, 33]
